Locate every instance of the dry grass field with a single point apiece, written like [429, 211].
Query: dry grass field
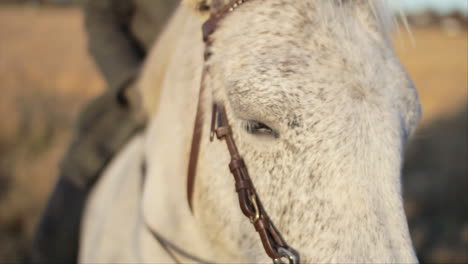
[46, 76]
[435, 177]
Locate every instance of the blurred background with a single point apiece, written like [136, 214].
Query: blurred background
[46, 76]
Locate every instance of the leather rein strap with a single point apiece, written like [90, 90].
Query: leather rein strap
[273, 243]
[250, 204]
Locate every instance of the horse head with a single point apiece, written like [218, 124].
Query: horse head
[320, 109]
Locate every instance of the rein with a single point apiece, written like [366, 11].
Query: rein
[251, 206]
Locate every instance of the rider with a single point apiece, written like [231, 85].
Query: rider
[120, 32]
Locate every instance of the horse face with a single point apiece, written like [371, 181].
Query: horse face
[321, 109]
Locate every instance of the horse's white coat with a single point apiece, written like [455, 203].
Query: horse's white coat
[323, 75]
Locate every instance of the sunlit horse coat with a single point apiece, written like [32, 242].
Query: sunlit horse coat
[323, 76]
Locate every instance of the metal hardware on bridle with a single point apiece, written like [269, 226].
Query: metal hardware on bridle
[211, 24]
[273, 243]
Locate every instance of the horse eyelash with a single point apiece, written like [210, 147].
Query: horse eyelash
[258, 128]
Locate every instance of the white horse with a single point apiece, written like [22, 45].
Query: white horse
[321, 110]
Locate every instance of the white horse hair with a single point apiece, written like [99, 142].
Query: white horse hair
[322, 74]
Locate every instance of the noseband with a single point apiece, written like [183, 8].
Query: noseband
[251, 206]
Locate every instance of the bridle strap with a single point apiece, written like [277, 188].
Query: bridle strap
[208, 28]
[250, 204]
[195, 147]
[249, 201]
[170, 248]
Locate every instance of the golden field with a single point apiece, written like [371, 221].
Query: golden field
[46, 76]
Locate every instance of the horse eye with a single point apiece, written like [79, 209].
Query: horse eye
[259, 128]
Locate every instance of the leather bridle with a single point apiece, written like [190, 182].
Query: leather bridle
[273, 243]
